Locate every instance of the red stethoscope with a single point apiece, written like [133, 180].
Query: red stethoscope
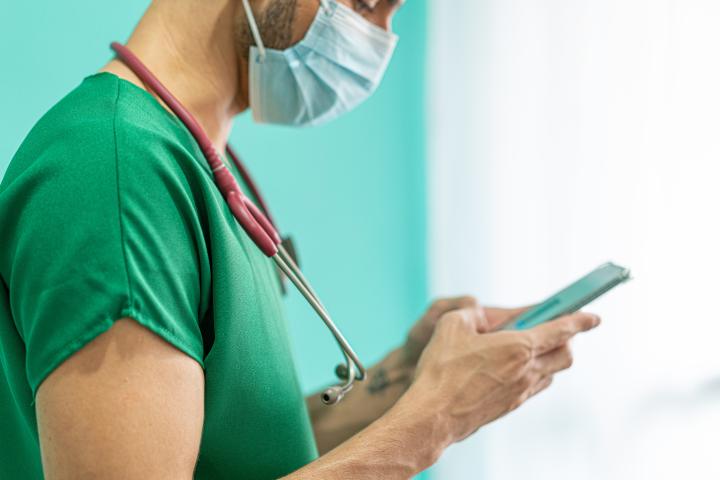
[256, 222]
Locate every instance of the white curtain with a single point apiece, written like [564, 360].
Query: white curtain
[564, 133]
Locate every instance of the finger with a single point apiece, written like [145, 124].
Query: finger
[468, 305]
[457, 318]
[445, 305]
[479, 318]
[554, 361]
[542, 385]
[551, 335]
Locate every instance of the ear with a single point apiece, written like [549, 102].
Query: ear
[379, 12]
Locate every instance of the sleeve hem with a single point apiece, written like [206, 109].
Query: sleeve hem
[103, 326]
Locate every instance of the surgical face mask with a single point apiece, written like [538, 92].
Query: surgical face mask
[337, 66]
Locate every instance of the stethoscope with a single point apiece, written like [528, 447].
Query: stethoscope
[258, 225]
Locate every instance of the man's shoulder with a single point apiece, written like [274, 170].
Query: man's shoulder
[79, 125]
[90, 162]
[101, 123]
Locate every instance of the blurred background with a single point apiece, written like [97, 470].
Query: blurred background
[564, 133]
[514, 146]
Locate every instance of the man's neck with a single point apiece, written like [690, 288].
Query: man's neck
[190, 47]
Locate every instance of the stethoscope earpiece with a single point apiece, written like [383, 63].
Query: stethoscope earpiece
[333, 395]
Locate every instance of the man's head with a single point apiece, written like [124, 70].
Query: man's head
[343, 50]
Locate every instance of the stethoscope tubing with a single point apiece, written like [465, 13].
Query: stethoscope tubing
[293, 272]
[256, 222]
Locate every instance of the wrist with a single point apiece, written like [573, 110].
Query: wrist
[401, 358]
[406, 440]
[424, 422]
[394, 373]
[411, 350]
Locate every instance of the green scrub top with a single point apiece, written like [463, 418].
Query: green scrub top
[109, 210]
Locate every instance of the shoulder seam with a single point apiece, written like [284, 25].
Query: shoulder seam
[131, 297]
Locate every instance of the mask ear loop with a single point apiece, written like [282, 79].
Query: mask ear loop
[325, 4]
[255, 30]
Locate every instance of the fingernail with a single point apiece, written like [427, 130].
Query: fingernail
[596, 321]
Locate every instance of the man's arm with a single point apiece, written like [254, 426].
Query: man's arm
[130, 406]
[368, 400]
[126, 406]
[464, 380]
[388, 380]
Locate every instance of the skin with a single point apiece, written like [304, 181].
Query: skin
[389, 379]
[140, 412]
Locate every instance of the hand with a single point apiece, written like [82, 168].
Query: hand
[389, 379]
[468, 380]
[483, 319]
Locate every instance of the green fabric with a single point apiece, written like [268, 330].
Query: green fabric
[108, 210]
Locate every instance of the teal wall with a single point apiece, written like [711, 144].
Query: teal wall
[351, 193]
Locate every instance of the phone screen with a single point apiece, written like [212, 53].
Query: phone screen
[573, 298]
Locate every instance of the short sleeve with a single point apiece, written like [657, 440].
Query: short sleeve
[103, 229]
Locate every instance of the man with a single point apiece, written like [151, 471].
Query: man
[141, 329]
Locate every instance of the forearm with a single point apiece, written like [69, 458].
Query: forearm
[406, 440]
[369, 400]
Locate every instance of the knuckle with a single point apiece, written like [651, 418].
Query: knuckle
[451, 319]
[567, 329]
[591, 320]
[480, 319]
[521, 351]
[443, 322]
[568, 358]
[482, 325]
[564, 331]
[581, 320]
[520, 399]
[440, 304]
[468, 301]
[525, 383]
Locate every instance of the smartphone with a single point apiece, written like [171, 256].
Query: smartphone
[573, 298]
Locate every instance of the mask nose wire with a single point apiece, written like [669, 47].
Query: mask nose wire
[255, 30]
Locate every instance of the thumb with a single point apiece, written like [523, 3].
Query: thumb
[499, 317]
